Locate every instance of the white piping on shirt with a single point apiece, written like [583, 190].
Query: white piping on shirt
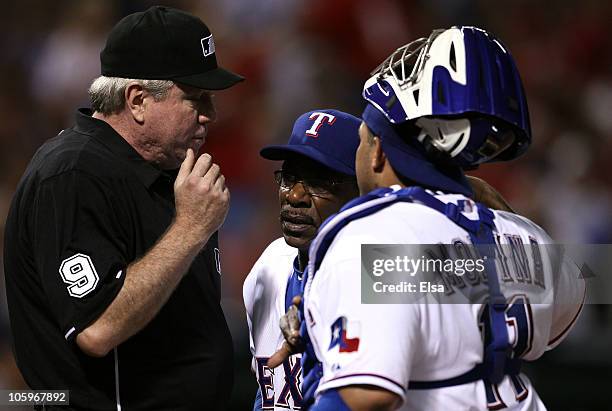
[117, 379]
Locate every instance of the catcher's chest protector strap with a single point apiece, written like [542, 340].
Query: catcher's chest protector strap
[497, 361]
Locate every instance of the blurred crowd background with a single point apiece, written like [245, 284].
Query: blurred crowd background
[298, 55]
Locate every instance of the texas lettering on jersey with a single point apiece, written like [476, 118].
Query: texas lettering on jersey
[280, 388]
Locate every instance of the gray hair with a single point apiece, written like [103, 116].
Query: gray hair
[107, 94]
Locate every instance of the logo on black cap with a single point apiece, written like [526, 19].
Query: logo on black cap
[208, 45]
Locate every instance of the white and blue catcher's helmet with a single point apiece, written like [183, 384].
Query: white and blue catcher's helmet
[461, 87]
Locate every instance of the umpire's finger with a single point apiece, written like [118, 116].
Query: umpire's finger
[202, 165]
[186, 167]
[280, 356]
[220, 182]
[212, 174]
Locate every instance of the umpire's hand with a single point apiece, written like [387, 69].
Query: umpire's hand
[201, 198]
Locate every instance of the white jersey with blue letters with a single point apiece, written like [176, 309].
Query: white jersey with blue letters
[389, 345]
[264, 294]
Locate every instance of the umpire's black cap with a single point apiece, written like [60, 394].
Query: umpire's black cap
[163, 43]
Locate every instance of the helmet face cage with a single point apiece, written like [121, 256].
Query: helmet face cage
[462, 72]
[413, 54]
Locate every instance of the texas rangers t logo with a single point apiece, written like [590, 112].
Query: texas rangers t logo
[319, 118]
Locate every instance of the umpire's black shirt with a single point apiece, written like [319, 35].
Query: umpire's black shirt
[87, 206]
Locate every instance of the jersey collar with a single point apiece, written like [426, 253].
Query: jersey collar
[102, 132]
[296, 268]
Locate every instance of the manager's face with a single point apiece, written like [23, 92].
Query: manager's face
[309, 193]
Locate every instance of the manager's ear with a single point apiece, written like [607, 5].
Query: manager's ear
[135, 101]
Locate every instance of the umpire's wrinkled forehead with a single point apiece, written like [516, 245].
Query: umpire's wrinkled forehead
[330, 137]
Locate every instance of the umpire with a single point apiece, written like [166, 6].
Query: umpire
[111, 254]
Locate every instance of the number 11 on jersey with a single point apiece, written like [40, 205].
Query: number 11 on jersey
[519, 320]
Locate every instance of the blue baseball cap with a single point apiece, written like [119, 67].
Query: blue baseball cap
[409, 158]
[329, 137]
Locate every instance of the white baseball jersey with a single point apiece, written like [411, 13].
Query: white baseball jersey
[264, 298]
[388, 345]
